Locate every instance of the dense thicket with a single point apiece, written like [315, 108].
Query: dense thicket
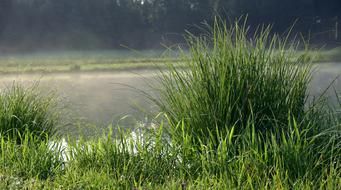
[26, 24]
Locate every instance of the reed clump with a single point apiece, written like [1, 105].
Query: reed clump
[232, 79]
[26, 110]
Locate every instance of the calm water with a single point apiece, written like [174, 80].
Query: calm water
[324, 75]
[96, 98]
[103, 97]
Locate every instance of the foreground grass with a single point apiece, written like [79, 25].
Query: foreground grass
[153, 160]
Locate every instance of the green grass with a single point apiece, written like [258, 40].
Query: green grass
[232, 80]
[77, 61]
[116, 161]
[235, 118]
[332, 55]
[103, 61]
[31, 159]
[26, 109]
[79, 65]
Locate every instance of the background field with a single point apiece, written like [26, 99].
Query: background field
[107, 60]
[73, 61]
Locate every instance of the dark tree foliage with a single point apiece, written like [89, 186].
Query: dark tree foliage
[84, 24]
[5, 10]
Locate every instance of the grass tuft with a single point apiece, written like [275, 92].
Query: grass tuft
[232, 79]
[25, 110]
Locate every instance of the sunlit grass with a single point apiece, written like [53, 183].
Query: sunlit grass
[93, 62]
[147, 159]
[85, 61]
[25, 109]
[233, 79]
[55, 66]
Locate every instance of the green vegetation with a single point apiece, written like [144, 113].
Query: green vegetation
[25, 110]
[85, 61]
[49, 65]
[78, 66]
[120, 161]
[29, 160]
[236, 81]
[333, 55]
[91, 63]
[235, 118]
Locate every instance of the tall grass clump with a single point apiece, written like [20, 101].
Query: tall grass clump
[232, 77]
[26, 110]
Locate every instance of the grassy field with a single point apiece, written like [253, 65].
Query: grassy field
[236, 118]
[79, 61]
[333, 55]
[108, 60]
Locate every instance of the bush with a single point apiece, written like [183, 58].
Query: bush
[231, 80]
[25, 110]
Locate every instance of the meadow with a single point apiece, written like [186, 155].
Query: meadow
[110, 60]
[237, 117]
[83, 61]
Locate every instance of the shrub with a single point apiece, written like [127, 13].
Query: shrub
[26, 110]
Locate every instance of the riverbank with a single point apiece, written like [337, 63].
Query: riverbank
[109, 61]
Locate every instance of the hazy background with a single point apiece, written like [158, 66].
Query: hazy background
[28, 25]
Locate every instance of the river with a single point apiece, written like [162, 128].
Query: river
[101, 98]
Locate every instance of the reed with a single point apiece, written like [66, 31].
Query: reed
[25, 109]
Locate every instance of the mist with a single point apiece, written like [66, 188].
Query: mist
[33, 25]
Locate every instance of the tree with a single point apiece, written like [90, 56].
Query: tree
[5, 10]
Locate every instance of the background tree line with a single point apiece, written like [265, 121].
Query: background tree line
[84, 24]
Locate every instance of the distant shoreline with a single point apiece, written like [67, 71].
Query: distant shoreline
[111, 61]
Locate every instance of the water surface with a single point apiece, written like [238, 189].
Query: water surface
[102, 98]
